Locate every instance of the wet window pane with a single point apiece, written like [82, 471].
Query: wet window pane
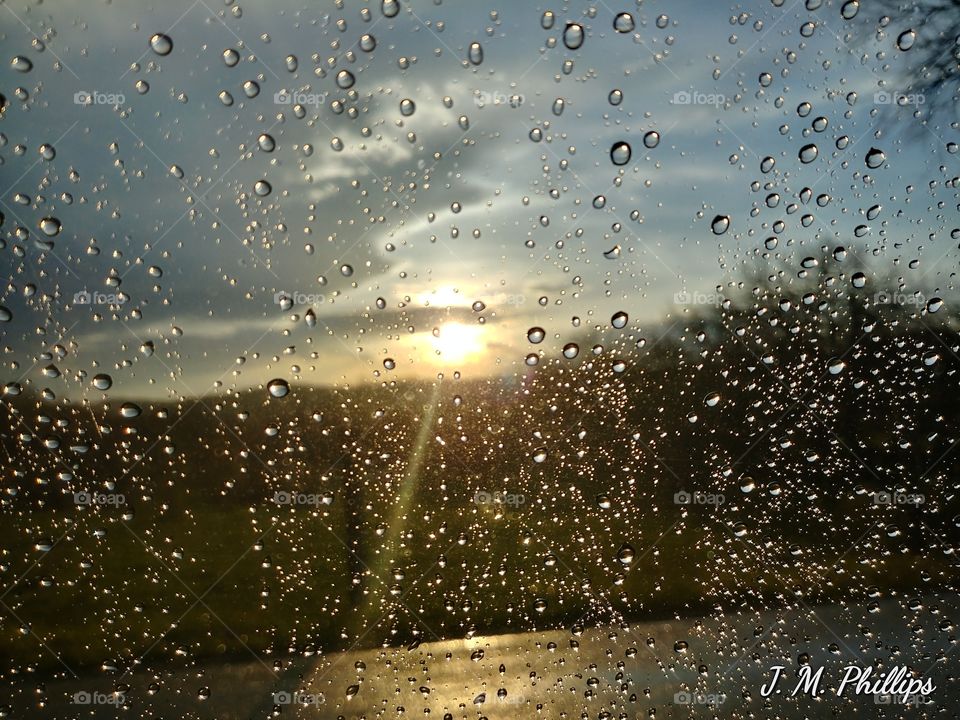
[476, 360]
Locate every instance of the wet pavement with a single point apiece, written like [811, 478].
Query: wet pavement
[679, 668]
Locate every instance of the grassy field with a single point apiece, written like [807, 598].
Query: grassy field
[230, 581]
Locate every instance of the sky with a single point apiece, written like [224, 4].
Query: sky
[431, 242]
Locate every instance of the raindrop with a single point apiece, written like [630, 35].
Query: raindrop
[720, 224]
[615, 97]
[571, 350]
[407, 107]
[130, 410]
[262, 188]
[231, 57]
[620, 153]
[539, 455]
[102, 381]
[623, 22]
[390, 8]
[850, 9]
[161, 44]
[619, 320]
[875, 158]
[573, 36]
[368, 43]
[21, 64]
[345, 79]
[808, 153]
[475, 53]
[626, 554]
[906, 39]
[536, 334]
[50, 226]
[651, 139]
[278, 388]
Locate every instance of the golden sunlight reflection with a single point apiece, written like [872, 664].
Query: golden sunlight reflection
[454, 342]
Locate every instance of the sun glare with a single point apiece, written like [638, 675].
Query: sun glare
[455, 343]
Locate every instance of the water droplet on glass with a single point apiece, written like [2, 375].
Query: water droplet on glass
[475, 53]
[130, 410]
[615, 97]
[50, 226]
[536, 334]
[161, 44]
[573, 36]
[620, 153]
[808, 153]
[539, 455]
[651, 139]
[278, 388]
[619, 320]
[390, 8]
[407, 107]
[345, 79]
[720, 224]
[231, 57]
[835, 366]
[626, 554]
[850, 9]
[102, 381]
[906, 39]
[623, 22]
[21, 64]
[262, 188]
[875, 158]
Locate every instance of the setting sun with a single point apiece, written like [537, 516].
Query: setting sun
[455, 343]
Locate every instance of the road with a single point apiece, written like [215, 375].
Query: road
[626, 672]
